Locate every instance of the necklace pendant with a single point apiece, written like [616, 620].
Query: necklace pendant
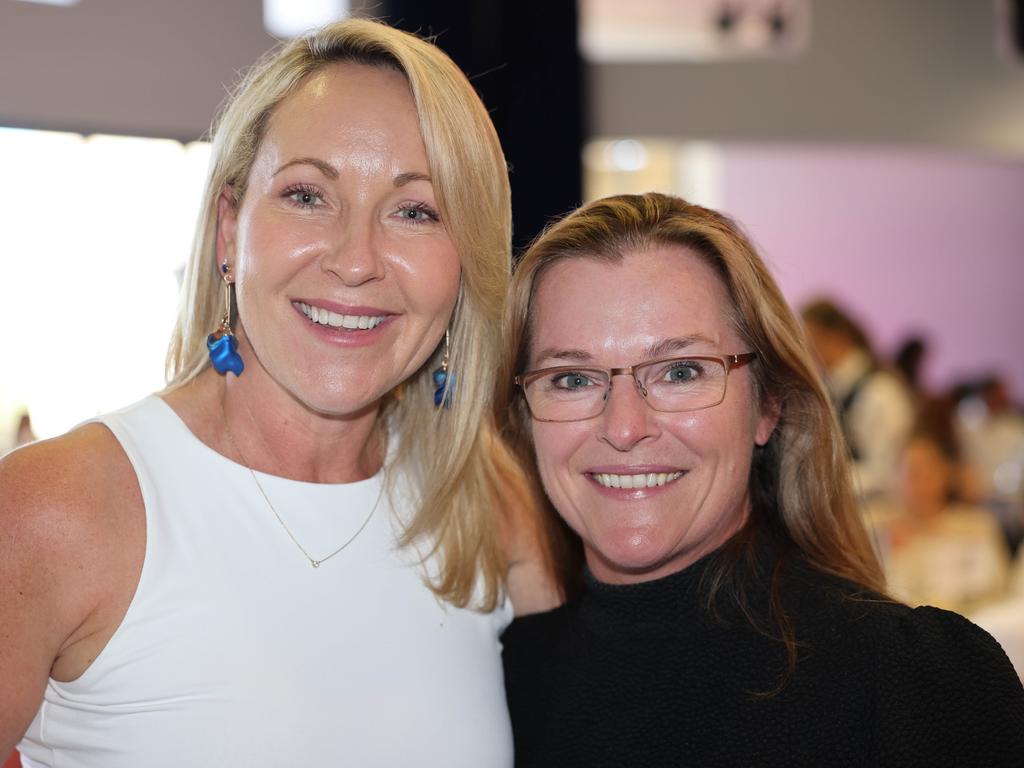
[315, 563]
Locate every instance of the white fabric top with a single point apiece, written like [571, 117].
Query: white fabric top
[235, 651]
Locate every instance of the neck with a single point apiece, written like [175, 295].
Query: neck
[280, 435]
[261, 425]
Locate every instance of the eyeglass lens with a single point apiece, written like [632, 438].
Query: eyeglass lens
[678, 384]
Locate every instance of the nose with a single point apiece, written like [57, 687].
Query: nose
[627, 419]
[354, 252]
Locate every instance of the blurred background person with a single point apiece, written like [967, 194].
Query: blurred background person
[991, 428]
[936, 549]
[874, 407]
[908, 363]
[1004, 619]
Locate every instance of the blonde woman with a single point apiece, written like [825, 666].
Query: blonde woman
[291, 556]
[732, 612]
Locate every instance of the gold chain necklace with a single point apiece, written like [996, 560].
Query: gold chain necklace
[315, 562]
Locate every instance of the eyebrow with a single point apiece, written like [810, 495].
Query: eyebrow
[567, 355]
[667, 347]
[663, 348]
[326, 169]
[331, 172]
[410, 176]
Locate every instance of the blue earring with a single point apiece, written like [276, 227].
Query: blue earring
[222, 344]
[444, 382]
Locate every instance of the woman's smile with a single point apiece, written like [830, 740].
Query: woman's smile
[648, 491]
[346, 277]
[642, 481]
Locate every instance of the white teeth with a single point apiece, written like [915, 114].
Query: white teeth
[333, 319]
[649, 480]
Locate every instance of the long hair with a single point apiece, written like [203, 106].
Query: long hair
[826, 314]
[462, 469]
[801, 489]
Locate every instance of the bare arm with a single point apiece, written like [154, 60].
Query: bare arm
[532, 587]
[72, 536]
[532, 576]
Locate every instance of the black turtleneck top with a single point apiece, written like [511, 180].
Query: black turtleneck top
[642, 675]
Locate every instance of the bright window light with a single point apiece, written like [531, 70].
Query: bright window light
[690, 169]
[96, 234]
[290, 18]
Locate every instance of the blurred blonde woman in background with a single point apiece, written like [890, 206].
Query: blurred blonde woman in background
[296, 554]
[733, 609]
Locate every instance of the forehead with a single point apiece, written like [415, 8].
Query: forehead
[348, 103]
[623, 308]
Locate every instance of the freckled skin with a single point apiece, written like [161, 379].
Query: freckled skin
[615, 313]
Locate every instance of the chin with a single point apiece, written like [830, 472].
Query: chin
[635, 555]
[334, 399]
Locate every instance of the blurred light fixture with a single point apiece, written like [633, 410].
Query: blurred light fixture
[64, 3]
[726, 19]
[694, 30]
[777, 22]
[627, 155]
[290, 18]
[754, 26]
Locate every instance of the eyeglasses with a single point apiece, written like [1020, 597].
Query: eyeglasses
[669, 384]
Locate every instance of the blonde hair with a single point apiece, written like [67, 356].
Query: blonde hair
[462, 468]
[801, 487]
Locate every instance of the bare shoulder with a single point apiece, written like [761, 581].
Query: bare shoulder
[69, 507]
[66, 485]
[72, 538]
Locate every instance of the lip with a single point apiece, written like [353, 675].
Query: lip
[344, 337]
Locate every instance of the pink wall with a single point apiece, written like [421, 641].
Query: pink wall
[909, 240]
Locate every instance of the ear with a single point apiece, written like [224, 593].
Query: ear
[227, 226]
[771, 410]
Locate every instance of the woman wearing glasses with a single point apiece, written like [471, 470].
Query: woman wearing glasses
[733, 609]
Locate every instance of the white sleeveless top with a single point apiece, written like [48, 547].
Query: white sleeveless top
[235, 651]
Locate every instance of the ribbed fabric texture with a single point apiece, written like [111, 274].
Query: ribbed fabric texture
[641, 675]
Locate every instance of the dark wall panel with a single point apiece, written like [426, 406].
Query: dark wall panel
[524, 61]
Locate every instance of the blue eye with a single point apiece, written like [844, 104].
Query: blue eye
[572, 381]
[417, 213]
[683, 372]
[304, 197]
